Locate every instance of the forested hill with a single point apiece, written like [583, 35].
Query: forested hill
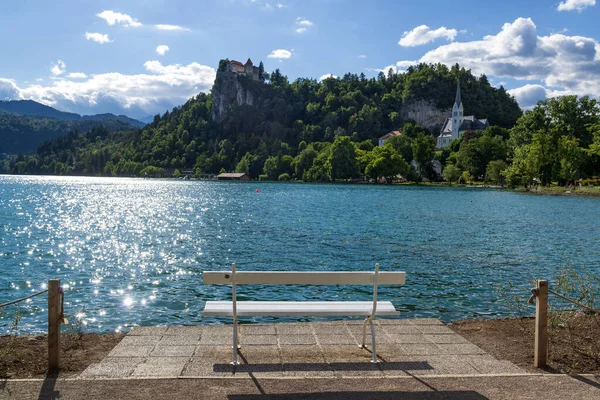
[33, 108]
[281, 120]
[24, 134]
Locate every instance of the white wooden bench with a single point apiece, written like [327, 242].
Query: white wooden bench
[368, 309]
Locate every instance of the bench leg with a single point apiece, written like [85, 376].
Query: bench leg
[373, 340]
[363, 345]
[235, 343]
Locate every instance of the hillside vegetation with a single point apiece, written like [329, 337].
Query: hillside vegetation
[291, 129]
[23, 134]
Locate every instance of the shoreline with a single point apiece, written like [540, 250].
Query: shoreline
[551, 191]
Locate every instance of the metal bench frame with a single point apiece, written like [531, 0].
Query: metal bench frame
[298, 278]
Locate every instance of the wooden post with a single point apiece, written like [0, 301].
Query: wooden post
[541, 324]
[53, 325]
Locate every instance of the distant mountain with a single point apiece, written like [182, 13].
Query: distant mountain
[147, 119]
[33, 108]
[24, 133]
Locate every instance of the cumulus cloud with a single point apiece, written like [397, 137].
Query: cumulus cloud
[326, 76]
[568, 64]
[77, 75]
[166, 27]
[302, 25]
[280, 53]
[58, 68]
[159, 88]
[423, 34]
[97, 37]
[527, 96]
[162, 49]
[113, 18]
[578, 5]
[9, 90]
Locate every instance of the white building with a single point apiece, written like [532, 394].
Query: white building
[454, 126]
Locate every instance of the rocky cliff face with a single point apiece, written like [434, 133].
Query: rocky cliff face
[425, 113]
[229, 91]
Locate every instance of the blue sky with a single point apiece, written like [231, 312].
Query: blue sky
[141, 57]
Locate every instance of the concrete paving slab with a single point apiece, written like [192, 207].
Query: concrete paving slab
[294, 329]
[189, 340]
[216, 340]
[139, 340]
[185, 330]
[434, 329]
[112, 368]
[404, 347]
[402, 330]
[421, 349]
[173, 351]
[445, 339]
[148, 330]
[251, 340]
[325, 340]
[285, 340]
[159, 366]
[460, 348]
[405, 339]
[130, 351]
[257, 330]
[393, 321]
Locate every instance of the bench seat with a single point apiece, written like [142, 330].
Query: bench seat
[299, 308]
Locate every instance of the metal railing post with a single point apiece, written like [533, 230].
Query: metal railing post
[53, 325]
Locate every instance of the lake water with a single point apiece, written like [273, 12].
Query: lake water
[132, 251]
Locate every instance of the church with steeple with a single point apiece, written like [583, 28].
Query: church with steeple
[457, 124]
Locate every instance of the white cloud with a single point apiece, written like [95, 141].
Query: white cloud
[326, 76]
[579, 5]
[279, 5]
[399, 67]
[77, 75]
[162, 49]
[362, 56]
[112, 18]
[423, 34]
[302, 25]
[98, 37]
[566, 64]
[280, 53]
[160, 88]
[9, 90]
[58, 68]
[303, 22]
[166, 27]
[527, 96]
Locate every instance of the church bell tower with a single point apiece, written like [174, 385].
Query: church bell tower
[457, 113]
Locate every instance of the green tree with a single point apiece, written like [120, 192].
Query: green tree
[494, 172]
[423, 151]
[386, 162]
[451, 173]
[342, 159]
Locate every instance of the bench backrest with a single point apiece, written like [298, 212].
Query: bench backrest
[303, 278]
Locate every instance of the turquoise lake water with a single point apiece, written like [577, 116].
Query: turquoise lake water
[132, 251]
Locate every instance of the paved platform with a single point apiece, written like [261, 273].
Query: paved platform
[406, 347]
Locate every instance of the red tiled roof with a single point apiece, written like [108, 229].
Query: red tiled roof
[390, 134]
[249, 62]
[236, 63]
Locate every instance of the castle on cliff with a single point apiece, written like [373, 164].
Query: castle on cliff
[247, 69]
